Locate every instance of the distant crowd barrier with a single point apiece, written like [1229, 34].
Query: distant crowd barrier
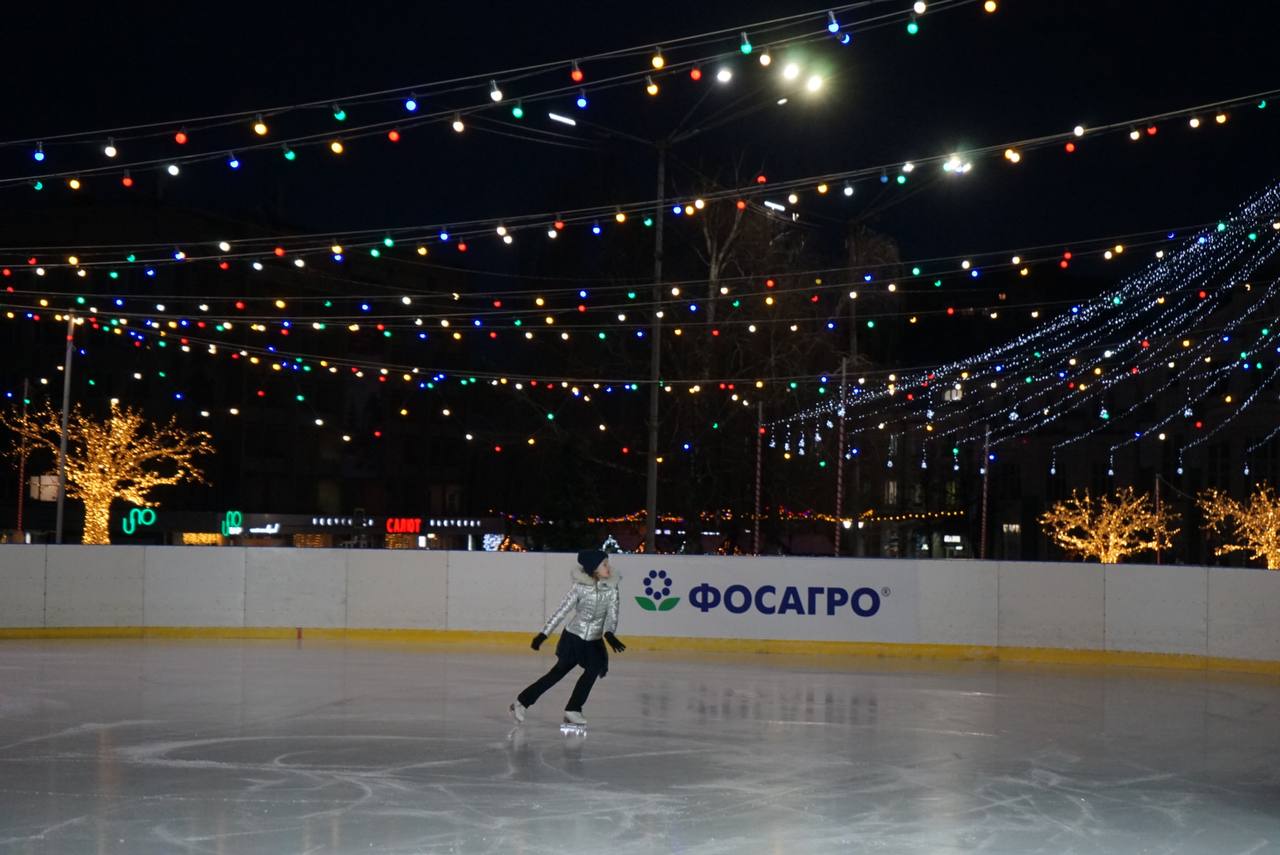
[1174, 616]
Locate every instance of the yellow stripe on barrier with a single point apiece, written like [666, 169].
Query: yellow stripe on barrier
[457, 638]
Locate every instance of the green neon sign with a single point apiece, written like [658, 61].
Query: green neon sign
[137, 517]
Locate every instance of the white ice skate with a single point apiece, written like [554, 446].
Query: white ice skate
[574, 724]
[517, 712]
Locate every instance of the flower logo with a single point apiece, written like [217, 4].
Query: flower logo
[657, 589]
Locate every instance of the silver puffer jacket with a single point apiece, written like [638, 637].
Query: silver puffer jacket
[596, 603]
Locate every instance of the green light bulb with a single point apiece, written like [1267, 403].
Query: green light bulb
[290, 154]
[912, 28]
[39, 185]
[902, 179]
[388, 242]
[375, 252]
[915, 271]
[517, 112]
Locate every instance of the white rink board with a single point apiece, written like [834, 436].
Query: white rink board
[1219, 612]
[713, 602]
[193, 586]
[93, 586]
[497, 591]
[22, 585]
[1244, 610]
[1052, 605]
[1157, 608]
[395, 588]
[295, 587]
[956, 602]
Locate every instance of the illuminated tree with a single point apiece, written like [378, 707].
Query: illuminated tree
[1252, 527]
[1108, 528]
[122, 457]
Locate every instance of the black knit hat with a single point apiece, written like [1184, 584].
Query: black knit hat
[590, 559]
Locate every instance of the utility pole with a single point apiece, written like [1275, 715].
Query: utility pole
[22, 458]
[844, 391]
[655, 359]
[755, 548]
[62, 439]
[986, 482]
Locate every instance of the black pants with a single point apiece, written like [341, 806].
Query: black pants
[571, 652]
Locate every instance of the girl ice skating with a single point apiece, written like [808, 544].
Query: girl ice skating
[594, 599]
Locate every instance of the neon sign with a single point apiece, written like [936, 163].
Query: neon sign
[137, 517]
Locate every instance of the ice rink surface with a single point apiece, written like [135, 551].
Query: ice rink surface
[272, 747]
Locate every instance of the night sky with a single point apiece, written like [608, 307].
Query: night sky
[968, 79]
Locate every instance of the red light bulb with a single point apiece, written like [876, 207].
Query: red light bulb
[695, 73]
[393, 135]
[180, 137]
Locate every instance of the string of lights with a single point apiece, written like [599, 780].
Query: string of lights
[1212, 267]
[409, 102]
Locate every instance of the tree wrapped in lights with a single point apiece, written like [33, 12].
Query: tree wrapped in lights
[124, 456]
[1253, 527]
[1108, 528]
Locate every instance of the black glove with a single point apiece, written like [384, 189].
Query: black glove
[617, 645]
[538, 639]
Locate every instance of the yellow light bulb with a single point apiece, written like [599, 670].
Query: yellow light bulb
[658, 60]
[260, 127]
[620, 217]
[650, 86]
[336, 147]
[990, 6]
[74, 183]
[823, 188]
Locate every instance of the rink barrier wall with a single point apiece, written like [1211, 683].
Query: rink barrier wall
[1131, 615]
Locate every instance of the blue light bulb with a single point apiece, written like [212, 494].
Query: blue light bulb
[411, 104]
[595, 228]
[233, 162]
[833, 26]
[38, 154]
[582, 100]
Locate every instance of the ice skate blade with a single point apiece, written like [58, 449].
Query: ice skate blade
[573, 729]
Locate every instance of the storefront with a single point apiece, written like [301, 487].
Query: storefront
[358, 531]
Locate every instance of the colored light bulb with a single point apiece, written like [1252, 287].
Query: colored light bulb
[745, 45]
[575, 73]
[233, 161]
[339, 114]
[658, 61]
[290, 154]
[582, 100]
[650, 86]
[411, 104]
[517, 111]
[260, 127]
[127, 180]
[393, 135]
[833, 26]
[38, 154]
[180, 138]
